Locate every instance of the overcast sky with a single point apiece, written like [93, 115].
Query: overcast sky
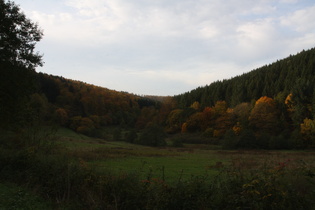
[167, 47]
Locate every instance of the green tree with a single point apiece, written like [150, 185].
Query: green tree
[230, 140]
[247, 139]
[117, 134]
[153, 135]
[18, 37]
[173, 121]
[131, 136]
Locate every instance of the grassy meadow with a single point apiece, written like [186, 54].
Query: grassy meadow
[74, 171]
[170, 162]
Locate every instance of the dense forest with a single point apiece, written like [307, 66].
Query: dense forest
[294, 74]
[87, 108]
[271, 107]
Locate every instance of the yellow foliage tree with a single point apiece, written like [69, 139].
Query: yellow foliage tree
[264, 115]
[237, 128]
[289, 103]
[308, 127]
[184, 128]
[220, 107]
[195, 105]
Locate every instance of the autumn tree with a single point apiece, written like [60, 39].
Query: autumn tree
[195, 105]
[208, 118]
[242, 112]
[147, 115]
[224, 122]
[168, 104]
[220, 107]
[308, 131]
[86, 126]
[264, 116]
[61, 116]
[193, 123]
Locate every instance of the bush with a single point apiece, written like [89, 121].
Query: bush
[117, 134]
[131, 136]
[230, 140]
[263, 141]
[177, 142]
[278, 142]
[247, 139]
[153, 135]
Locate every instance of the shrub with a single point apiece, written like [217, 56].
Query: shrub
[153, 135]
[117, 134]
[131, 136]
[177, 142]
[230, 140]
[247, 139]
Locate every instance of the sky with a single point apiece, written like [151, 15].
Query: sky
[167, 47]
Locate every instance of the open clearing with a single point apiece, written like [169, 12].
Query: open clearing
[172, 164]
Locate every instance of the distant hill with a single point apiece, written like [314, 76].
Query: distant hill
[85, 108]
[294, 74]
[272, 107]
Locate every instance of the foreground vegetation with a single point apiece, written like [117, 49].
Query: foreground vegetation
[93, 173]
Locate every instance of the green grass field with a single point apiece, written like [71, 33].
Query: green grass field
[168, 163]
[73, 171]
[117, 157]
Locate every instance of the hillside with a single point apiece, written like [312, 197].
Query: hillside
[269, 107]
[86, 108]
[294, 74]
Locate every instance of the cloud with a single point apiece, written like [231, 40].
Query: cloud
[184, 43]
[301, 20]
[256, 39]
[289, 1]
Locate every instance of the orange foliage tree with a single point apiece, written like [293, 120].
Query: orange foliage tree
[265, 116]
[308, 131]
[208, 118]
[193, 123]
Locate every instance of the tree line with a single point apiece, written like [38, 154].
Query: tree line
[274, 101]
[269, 107]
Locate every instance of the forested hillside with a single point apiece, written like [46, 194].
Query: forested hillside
[294, 74]
[86, 108]
[270, 107]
